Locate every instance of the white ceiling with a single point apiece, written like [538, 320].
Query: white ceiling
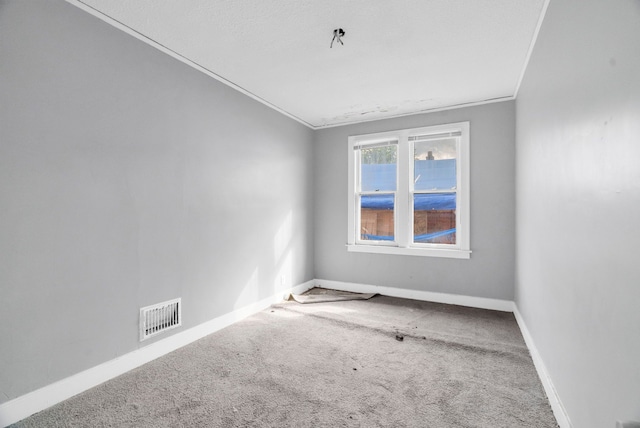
[399, 57]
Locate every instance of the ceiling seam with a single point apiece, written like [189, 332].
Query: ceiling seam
[433, 110]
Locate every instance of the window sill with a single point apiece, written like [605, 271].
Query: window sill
[412, 251]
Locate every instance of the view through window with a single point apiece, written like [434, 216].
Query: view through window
[409, 191]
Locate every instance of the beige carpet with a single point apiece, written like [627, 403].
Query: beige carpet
[383, 362]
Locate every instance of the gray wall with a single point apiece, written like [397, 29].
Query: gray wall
[578, 206]
[489, 272]
[128, 178]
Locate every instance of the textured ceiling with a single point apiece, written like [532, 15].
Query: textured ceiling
[399, 57]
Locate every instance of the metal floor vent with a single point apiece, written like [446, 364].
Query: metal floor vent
[161, 317]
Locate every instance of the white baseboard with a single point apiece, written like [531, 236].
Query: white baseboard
[26, 405]
[556, 405]
[428, 296]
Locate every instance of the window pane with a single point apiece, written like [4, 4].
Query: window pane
[378, 168]
[435, 164]
[376, 217]
[434, 218]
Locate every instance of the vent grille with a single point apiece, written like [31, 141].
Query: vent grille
[161, 317]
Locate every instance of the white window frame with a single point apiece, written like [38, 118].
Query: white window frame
[403, 215]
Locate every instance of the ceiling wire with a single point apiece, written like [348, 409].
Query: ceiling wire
[338, 33]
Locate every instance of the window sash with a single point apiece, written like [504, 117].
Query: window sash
[412, 221]
[358, 204]
[359, 193]
[412, 140]
[437, 136]
[376, 145]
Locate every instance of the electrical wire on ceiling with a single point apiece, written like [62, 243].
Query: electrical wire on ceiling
[338, 33]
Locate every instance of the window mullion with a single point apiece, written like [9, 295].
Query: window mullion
[403, 211]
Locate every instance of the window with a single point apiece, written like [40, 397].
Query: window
[409, 192]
